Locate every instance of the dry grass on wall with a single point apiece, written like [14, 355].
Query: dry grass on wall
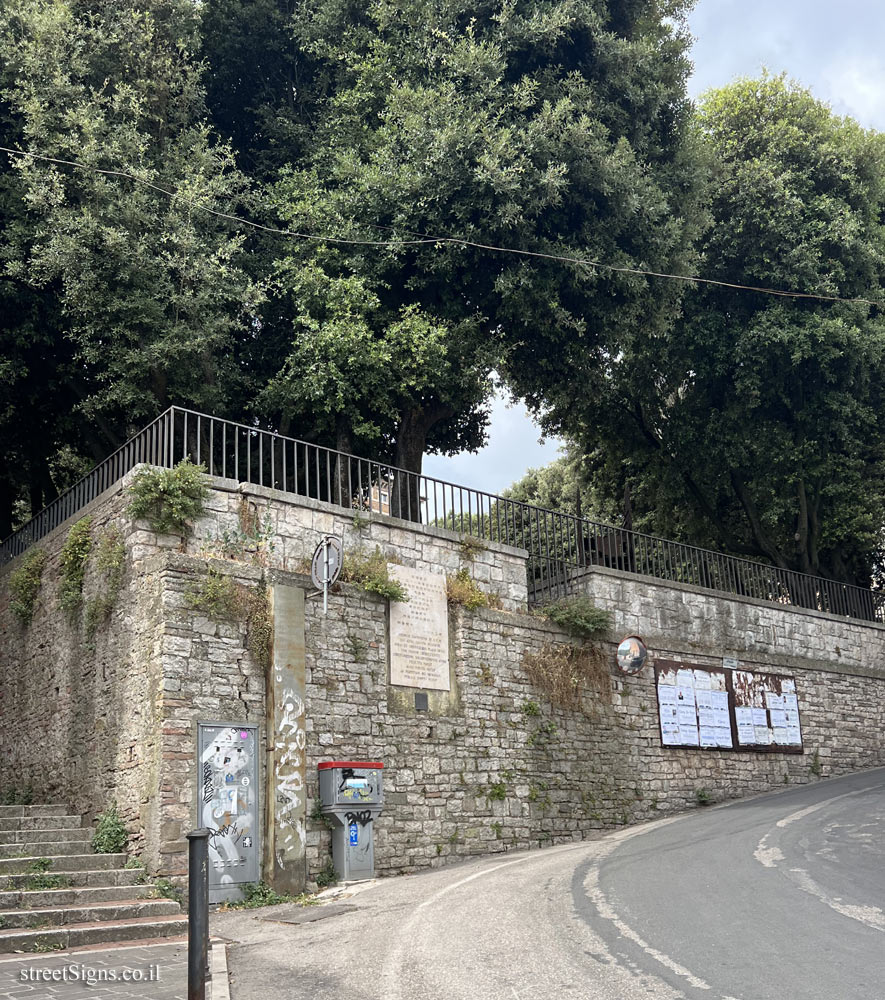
[567, 673]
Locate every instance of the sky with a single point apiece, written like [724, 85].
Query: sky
[833, 47]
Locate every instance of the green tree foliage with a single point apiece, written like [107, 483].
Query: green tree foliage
[130, 300]
[573, 484]
[754, 426]
[556, 127]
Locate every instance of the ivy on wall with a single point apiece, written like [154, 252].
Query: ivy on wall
[24, 585]
[73, 559]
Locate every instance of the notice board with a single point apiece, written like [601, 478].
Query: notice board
[719, 708]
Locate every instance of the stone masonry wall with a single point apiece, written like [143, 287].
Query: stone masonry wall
[508, 770]
[80, 716]
[495, 766]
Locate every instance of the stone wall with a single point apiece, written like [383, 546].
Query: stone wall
[493, 766]
[80, 716]
[509, 770]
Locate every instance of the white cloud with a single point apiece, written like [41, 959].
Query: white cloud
[515, 445]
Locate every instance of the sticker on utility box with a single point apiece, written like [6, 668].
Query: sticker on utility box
[354, 835]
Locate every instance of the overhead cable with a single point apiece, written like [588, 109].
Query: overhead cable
[424, 239]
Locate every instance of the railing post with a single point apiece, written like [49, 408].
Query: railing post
[198, 913]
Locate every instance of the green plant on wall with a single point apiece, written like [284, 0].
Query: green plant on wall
[252, 540]
[471, 546]
[17, 796]
[497, 792]
[110, 835]
[462, 589]
[169, 499]
[110, 564]
[216, 595]
[579, 616]
[219, 597]
[369, 571]
[73, 559]
[259, 623]
[24, 585]
[327, 875]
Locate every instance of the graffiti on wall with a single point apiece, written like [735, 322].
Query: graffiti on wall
[291, 835]
[228, 781]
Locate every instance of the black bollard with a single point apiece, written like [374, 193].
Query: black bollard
[198, 913]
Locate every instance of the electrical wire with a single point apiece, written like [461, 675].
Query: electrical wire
[425, 239]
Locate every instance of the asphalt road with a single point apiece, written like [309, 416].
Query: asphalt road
[779, 897]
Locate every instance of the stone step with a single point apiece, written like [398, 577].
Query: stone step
[38, 810]
[74, 896]
[44, 836]
[97, 878]
[94, 932]
[65, 822]
[51, 917]
[68, 862]
[45, 849]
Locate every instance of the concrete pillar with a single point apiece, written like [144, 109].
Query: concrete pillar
[285, 859]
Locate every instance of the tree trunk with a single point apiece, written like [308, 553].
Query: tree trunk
[344, 484]
[411, 438]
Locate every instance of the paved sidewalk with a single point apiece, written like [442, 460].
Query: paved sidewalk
[162, 969]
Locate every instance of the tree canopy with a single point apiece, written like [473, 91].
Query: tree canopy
[753, 426]
[553, 128]
[398, 145]
[121, 299]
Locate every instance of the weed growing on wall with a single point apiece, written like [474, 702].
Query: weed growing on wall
[110, 562]
[259, 623]
[164, 887]
[359, 648]
[110, 835]
[579, 616]
[74, 557]
[471, 546]
[369, 571]
[24, 585]
[17, 796]
[169, 499]
[216, 596]
[463, 589]
[251, 541]
[497, 792]
[564, 672]
[327, 874]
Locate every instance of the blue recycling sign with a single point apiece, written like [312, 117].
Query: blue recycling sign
[354, 835]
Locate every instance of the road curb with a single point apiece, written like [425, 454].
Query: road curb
[219, 985]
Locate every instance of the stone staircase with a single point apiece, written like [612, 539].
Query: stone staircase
[56, 893]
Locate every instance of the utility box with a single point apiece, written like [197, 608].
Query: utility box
[352, 794]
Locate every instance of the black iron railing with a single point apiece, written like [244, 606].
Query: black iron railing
[561, 547]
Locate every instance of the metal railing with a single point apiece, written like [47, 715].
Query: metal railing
[561, 547]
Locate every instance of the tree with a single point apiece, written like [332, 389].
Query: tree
[754, 426]
[145, 292]
[548, 127]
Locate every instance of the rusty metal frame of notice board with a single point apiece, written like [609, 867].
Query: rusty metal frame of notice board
[744, 684]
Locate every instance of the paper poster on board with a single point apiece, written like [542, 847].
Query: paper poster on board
[720, 708]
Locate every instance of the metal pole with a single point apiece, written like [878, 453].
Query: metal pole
[325, 574]
[198, 913]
